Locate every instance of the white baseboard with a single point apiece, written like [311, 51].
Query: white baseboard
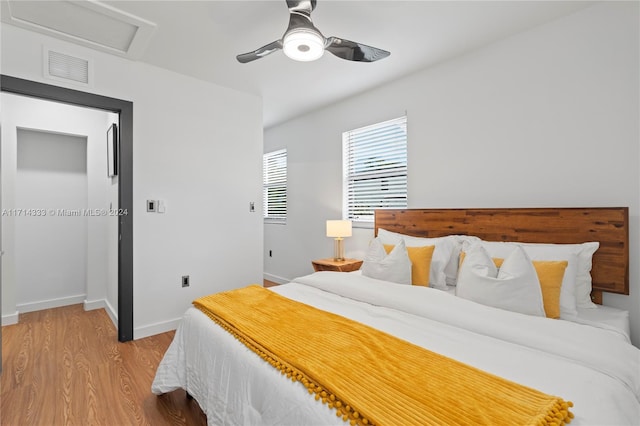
[275, 278]
[51, 303]
[157, 328]
[112, 313]
[10, 319]
[90, 305]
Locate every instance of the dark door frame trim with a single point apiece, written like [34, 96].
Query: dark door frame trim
[125, 179]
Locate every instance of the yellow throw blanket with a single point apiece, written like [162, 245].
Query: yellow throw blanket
[368, 376]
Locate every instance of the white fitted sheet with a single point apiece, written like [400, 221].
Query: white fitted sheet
[594, 367]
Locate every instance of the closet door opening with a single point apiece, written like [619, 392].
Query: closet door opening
[51, 228]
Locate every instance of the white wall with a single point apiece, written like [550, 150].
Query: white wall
[189, 136]
[545, 118]
[112, 247]
[50, 249]
[18, 113]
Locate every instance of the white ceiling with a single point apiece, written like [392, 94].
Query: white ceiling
[201, 39]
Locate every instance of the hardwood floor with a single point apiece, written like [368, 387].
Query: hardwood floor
[268, 283]
[65, 366]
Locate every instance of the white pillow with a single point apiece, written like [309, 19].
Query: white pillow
[444, 262]
[514, 287]
[578, 257]
[394, 267]
[452, 268]
[583, 279]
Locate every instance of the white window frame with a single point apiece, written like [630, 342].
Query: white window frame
[384, 143]
[274, 176]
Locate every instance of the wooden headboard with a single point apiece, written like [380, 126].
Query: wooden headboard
[607, 225]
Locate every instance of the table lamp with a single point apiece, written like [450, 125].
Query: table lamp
[338, 229]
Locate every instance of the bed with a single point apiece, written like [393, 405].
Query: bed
[585, 358]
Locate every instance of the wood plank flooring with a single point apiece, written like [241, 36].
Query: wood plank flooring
[65, 366]
[267, 283]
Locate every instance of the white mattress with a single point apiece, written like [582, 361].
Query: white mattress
[594, 367]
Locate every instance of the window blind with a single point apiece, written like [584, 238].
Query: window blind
[274, 178]
[374, 169]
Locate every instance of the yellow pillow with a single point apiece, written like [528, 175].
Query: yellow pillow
[420, 263]
[550, 274]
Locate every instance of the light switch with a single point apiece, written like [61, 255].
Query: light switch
[151, 206]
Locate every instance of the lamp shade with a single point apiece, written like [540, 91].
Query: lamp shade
[338, 228]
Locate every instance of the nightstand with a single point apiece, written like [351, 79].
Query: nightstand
[347, 265]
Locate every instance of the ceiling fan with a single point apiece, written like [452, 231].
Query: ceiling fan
[304, 42]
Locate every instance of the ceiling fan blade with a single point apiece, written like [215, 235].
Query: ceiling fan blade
[352, 51]
[259, 53]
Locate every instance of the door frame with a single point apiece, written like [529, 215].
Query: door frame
[125, 178]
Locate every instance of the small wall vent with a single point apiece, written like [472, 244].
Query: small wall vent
[60, 66]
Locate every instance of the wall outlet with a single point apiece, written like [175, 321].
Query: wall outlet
[185, 281]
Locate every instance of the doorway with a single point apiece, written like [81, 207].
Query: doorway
[125, 179]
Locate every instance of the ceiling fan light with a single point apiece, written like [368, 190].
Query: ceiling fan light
[303, 45]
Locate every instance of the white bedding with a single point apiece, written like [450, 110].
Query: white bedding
[606, 316]
[617, 320]
[594, 367]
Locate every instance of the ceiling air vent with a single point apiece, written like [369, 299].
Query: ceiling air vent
[60, 66]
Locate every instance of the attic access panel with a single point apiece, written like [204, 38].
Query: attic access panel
[92, 24]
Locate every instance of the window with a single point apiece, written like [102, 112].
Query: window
[274, 192]
[374, 169]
